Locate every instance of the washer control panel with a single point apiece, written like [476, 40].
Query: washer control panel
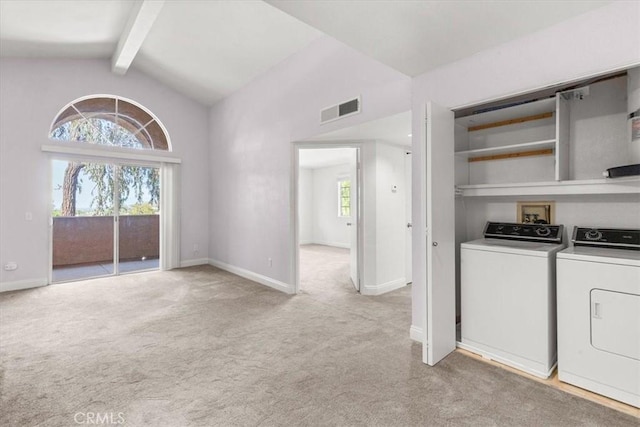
[614, 238]
[527, 232]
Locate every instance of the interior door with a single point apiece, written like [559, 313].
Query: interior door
[354, 222]
[407, 200]
[440, 311]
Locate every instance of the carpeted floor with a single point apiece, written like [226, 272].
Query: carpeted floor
[202, 347]
[325, 271]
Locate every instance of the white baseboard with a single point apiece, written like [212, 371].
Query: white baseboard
[259, 278]
[193, 262]
[383, 288]
[22, 284]
[334, 244]
[415, 333]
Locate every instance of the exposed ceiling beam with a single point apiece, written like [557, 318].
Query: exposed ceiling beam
[143, 15]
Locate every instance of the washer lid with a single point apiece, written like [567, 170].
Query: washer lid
[514, 247]
[603, 255]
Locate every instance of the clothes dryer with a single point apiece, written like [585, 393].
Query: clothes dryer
[599, 313]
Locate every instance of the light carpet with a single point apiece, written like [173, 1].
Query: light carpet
[202, 347]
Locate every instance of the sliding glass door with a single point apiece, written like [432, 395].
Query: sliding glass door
[105, 219]
[82, 221]
[138, 219]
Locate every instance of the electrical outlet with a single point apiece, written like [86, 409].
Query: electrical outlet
[196, 249]
[10, 266]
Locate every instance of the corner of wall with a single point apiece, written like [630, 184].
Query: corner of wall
[415, 333]
[255, 277]
[383, 288]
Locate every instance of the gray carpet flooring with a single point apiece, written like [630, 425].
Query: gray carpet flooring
[202, 347]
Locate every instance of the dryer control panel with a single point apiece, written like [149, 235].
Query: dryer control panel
[614, 238]
[528, 232]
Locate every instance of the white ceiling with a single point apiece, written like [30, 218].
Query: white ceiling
[417, 36]
[394, 129]
[68, 29]
[209, 49]
[205, 49]
[313, 158]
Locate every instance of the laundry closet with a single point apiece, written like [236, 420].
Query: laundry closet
[522, 166]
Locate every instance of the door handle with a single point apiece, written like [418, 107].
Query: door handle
[348, 224]
[597, 311]
[409, 225]
[435, 243]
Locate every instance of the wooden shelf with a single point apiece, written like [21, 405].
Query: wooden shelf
[508, 114]
[513, 150]
[553, 188]
[515, 121]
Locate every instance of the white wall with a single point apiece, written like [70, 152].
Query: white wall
[390, 216]
[305, 205]
[31, 94]
[251, 134]
[604, 39]
[609, 210]
[318, 206]
[328, 228]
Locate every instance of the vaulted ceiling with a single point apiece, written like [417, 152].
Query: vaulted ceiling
[209, 49]
[417, 36]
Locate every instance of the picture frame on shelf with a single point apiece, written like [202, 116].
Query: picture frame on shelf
[536, 212]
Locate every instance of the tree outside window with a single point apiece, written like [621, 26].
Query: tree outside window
[111, 121]
[344, 198]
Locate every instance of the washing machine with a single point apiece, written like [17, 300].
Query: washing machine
[508, 295]
[599, 312]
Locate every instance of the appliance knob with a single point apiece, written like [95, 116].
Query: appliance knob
[516, 228]
[500, 227]
[543, 231]
[593, 234]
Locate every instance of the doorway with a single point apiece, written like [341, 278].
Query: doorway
[105, 219]
[328, 218]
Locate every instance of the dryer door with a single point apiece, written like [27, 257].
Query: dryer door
[615, 322]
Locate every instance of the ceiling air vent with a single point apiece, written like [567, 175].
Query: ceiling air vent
[339, 111]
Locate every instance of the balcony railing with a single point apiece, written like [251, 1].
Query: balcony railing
[89, 240]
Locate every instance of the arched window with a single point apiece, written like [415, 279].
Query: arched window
[110, 120]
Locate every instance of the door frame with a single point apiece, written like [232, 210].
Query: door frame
[120, 161]
[295, 221]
